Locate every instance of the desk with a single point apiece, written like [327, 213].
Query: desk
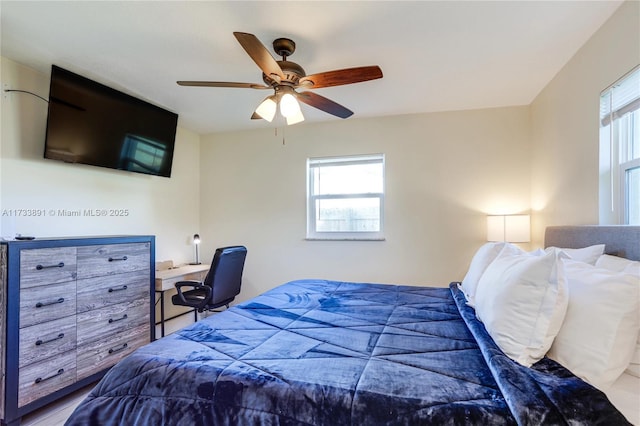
[166, 280]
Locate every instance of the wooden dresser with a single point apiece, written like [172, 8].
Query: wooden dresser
[70, 308]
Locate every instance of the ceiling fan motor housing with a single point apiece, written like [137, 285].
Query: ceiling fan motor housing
[292, 74]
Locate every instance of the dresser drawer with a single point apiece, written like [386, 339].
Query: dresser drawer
[47, 266]
[42, 378]
[96, 261]
[45, 340]
[47, 303]
[100, 323]
[98, 355]
[98, 292]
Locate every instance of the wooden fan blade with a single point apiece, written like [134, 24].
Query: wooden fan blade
[341, 77]
[223, 84]
[259, 54]
[324, 104]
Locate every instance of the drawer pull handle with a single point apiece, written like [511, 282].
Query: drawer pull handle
[121, 348]
[40, 379]
[41, 267]
[113, 259]
[42, 342]
[41, 304]
[111, 290]
[111, 320]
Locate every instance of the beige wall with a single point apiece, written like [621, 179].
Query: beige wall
[167, 208]
[564, 123]
[444, 173]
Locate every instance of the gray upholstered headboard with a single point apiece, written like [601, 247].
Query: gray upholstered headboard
[621, 240]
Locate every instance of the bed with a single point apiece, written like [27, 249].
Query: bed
[320, 352]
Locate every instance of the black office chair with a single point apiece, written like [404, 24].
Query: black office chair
[220, 286]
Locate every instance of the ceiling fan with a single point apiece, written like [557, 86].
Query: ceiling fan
[284, 77]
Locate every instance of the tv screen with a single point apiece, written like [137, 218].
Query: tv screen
[90, 123]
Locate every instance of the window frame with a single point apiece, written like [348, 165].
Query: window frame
[618, 123]
[624, 189]
[315, 162]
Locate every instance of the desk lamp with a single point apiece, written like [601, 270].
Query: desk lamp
[196, 242]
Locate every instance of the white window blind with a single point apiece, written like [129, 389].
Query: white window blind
[620, 98]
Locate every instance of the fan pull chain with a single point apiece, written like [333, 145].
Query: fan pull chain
[283, 135]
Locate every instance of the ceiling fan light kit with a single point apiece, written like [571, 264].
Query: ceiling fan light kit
[295, 118]
[267, 109]
[285, 76]
[288, 105]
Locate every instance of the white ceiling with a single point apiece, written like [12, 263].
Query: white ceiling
[435, 55]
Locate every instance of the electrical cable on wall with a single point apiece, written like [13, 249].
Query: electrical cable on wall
[26, 91]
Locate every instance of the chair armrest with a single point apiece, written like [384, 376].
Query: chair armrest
[187, 283]
[196, 285]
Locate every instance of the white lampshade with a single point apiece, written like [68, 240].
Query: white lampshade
[296, 118]
[267, 109]
[289, 106]
[495, 228]
[514, 228]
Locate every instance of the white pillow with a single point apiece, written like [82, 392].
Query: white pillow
[483, 257]
[587, 254]
[618, 264]
[600, 331]
[522, 300]
[634, 366]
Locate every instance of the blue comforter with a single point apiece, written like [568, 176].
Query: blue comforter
[333, 353]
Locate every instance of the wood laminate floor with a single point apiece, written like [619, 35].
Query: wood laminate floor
[56, 413]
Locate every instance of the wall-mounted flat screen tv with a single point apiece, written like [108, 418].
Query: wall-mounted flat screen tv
[90, 123]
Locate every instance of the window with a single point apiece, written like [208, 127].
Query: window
[345, 198]
[620, 151]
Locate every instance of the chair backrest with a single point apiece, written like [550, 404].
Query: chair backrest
[225, 274]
